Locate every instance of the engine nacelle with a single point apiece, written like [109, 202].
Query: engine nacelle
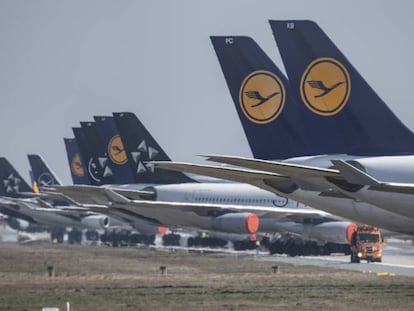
[236, 223]
[333, 231]
[95, 222]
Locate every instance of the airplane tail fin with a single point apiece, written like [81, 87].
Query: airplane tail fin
[93, 168]
[76, 164]
[141, 149]
[262, 97]
[42, 174]
[114, 149]
[98, 166]
[11, 182]
[341, 112]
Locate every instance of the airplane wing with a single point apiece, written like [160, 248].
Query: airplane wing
[267, 175]
[85, 194]
[264, 180]
[163, 212]
[228, 173]
[202, 209]
[29, 208]
[280, 168]
[356, 176]
[306, 177]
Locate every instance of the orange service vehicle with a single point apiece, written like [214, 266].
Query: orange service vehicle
[366, 244]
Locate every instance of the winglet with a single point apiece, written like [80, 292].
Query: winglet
[353, 174]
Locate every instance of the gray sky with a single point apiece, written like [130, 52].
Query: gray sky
[64, 61]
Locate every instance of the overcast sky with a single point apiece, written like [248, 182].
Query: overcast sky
[64, 61]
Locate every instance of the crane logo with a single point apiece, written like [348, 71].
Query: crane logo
[76, 165]
[46, 180]
[116, 150]
[325, 86]
[262, 97]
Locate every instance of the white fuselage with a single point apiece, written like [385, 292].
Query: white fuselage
[392, 169]
[244, 195]
[222, 193]
[378, 214]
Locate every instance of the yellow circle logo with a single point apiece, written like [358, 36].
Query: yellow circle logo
[325, 86]
[262, 97]
[116, 150]
[77, 167]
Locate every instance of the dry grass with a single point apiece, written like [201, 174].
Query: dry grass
[100, 278]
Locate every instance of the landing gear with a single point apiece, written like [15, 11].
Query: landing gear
[56, 235]
[206, 242]
[75, 236]
[354, 258]
[293, 246]
[171, 239]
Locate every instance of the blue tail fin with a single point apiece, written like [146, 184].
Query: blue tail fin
[341, 112]
[262, 97]
[42, 174]
[76, 164]
[98, 165]
[11, 181]
[141, 147]
[92, 169]
[114, 149]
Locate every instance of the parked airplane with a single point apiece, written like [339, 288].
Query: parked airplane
[387, 150]
[276, 213]
[241, 82]
[43, 173]
[141, 147]
[18, 200]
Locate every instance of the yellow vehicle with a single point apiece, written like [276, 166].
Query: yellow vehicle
[366, 244]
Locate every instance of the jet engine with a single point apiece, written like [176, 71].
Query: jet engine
[236, 223]
[334, 231]
[95, 222]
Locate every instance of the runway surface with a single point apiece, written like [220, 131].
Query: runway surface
[398, 259]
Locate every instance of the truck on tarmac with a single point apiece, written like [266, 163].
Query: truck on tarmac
[366, 244]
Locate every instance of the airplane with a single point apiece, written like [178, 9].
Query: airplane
[18, 200]
[276, 213]
[43, 173]
[271, 130]
[367, 137]
[385, 152]
[198, 218]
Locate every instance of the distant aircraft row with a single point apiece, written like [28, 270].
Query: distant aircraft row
[323, 138]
